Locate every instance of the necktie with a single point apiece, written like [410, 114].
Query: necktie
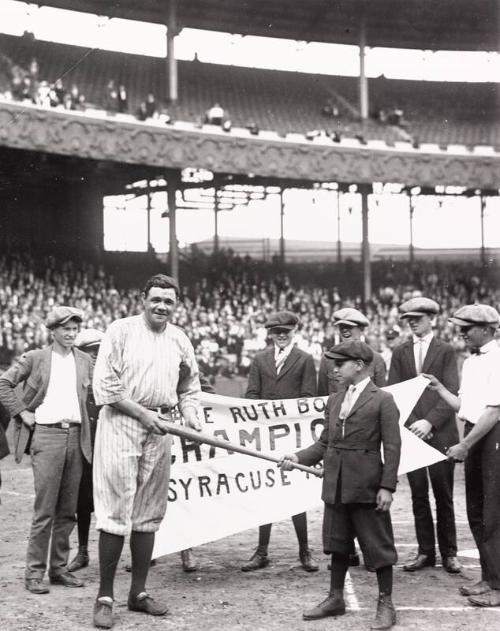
[420, 361]
[345, 408]
[280, 360]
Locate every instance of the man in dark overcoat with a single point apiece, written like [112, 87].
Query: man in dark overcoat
[357, 485]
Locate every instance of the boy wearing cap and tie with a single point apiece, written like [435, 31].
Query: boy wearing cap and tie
[282, 371]
[88, 341]
[351, 324]
[478, 404]
[55, 381]
[432, 420]
[357, 484]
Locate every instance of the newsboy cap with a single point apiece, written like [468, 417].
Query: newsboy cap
[471, 315]
[60, 315]
[354, 349]
[418, 307]
[88, 337]
[350, 316]
[282, 319]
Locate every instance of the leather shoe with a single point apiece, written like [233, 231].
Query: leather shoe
[256, 562]
[452, 565]
[419, 562]
[385, 618]
[481, 587]
[103, 613]
[80, 561]
[188, 562]
[489, 599]
[66, 579]
[35, 586]
[308, 563]
[145, 604]
[331, 606]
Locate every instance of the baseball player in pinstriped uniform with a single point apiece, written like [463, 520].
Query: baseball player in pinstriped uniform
[137, 377]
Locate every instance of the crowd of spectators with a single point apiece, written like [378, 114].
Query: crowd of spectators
[224, 308]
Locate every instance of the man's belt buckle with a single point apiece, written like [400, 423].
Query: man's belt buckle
[64, 425]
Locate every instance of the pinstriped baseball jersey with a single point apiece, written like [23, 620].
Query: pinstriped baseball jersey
[131, 464]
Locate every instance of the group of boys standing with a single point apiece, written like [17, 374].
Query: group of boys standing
[146, 367]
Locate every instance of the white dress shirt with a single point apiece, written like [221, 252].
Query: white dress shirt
[282, 354]
[421, 342]
[353, 392]
[480, 385]
[61, 399]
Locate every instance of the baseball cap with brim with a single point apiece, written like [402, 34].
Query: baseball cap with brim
[350, 317]
[472, 315]
[354, 349]
[282, 320]
[417, 307]
[61, 315]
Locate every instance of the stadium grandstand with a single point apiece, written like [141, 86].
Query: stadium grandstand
[58, 162]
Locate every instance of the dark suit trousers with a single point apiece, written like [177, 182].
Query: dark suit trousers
[441, 477]
[482, 491]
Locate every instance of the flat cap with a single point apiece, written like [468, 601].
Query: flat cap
[88, 337]
[354, 349]
[60, 315]
[476, 314]
[350, 316]
[418, 306]
[282, 319]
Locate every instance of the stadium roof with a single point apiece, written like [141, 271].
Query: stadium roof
[418, 24]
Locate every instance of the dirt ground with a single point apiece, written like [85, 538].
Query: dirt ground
[220, 596]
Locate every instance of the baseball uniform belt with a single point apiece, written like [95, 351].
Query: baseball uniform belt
[61, 425]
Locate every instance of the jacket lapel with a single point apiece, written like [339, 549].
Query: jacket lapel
[431, 354]
[410, 357]
[292, 358]
[363, 398]
[269, 359]
[45, 366]
[80, 368]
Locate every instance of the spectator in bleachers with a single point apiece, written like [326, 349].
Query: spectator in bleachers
[215, 115]
[74, 100]
[122, 100]
[111, 100]
[151, 106]
[43, 94]
[58, 93]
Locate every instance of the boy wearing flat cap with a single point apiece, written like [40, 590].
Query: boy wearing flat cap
[432, 420]
[282, 371]
[351, 324]
[478, 405]
[357, 484]
[52, 405]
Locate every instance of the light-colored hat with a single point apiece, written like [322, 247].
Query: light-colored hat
[88, 337]
[60, 315]
[476, 314]
[350, 317]
[418, 307]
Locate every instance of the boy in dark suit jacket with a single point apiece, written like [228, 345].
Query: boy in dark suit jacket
[357, 484]
[282, 371]
[431, 420]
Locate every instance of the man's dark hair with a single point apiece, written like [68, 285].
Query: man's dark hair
[163, 281]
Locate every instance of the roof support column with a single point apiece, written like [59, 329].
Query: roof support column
[365, 246]
[216, 222]
[412, 200]
[282, 229]
[173, 182]
[339, 239]
[363, 81]
[172, 32]
[483, 249]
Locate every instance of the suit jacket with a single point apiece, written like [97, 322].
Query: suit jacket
[326, 383]
[33, 370]
[351, 449]
[297, 377]
[439, 361]
[4, 422]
